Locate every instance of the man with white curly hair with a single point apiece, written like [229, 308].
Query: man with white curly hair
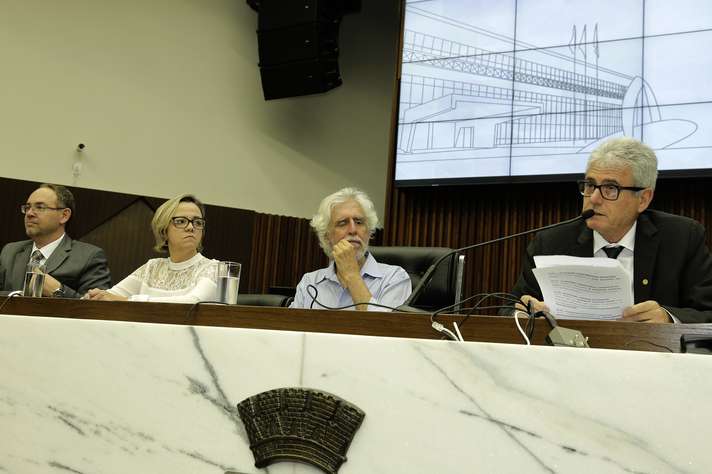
[344, 224]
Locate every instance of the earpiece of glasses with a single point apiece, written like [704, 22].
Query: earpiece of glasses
[182, 222]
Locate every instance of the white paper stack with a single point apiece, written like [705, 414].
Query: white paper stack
[583, 288]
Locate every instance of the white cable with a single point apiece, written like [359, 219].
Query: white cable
[442, 329]
[457, 331]
[521, 331]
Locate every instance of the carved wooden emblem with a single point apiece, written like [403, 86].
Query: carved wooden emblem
[300, 425]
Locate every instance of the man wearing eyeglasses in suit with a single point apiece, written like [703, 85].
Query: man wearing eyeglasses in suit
[72, 267]
[665, 254]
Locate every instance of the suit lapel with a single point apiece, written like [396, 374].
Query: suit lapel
[59, 255]
[19, 267]
[646, 250]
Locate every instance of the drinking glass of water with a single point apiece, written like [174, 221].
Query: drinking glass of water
[228, 280]
[34, 280]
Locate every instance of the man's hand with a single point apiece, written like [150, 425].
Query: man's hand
[51, 284]
[533, 303]
[347, 267]
[348, 270]
[102, 295]
[647, 311]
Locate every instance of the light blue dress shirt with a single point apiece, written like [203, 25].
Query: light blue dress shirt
[389, 285]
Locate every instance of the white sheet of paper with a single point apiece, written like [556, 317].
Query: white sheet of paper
[583, 288]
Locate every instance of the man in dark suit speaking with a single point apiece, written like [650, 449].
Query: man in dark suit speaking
[73, 267]
[665, 254]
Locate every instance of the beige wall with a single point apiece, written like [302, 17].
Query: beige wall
[166, 96]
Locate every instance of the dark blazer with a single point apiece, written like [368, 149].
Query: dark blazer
[77, 265]
[671, 263]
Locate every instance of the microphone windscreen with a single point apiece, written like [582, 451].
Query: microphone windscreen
[587, 214]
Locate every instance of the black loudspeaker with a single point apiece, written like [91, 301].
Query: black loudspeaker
[299, 45]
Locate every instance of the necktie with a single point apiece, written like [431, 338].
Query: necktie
[36, 258]
[613, 252]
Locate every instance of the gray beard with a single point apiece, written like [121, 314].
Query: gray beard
[361, 254]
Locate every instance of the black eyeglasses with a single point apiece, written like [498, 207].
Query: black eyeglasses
[180, 222]
[609, 191]
[39, 208]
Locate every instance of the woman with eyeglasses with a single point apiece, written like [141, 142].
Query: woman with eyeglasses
[185, 276]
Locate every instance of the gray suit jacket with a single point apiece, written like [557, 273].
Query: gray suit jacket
[77, 265]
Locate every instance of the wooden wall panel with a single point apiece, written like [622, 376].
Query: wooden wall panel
[126, 238]
[284, 248]
[456, 216]
[94, 208]
[228, 236]
[14, 193]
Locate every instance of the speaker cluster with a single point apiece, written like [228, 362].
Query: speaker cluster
[299, 45]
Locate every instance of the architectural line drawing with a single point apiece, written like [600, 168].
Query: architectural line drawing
[460, 102]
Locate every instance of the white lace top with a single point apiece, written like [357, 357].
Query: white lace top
[162, 280]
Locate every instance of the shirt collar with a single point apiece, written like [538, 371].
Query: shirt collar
[370, 268]
[176, 266]
[48, 249]
[628, 240]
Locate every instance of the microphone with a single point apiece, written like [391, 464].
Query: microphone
[428, 275]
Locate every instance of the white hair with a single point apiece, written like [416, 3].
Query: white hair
[321, 222]
[628, 152]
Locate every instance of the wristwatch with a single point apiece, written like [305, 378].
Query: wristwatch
[59, 292]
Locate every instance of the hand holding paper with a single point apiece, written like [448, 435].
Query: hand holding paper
[583, 288]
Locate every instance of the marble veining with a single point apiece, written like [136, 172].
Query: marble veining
[96, 397]
[220, 401]
[514, 431]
